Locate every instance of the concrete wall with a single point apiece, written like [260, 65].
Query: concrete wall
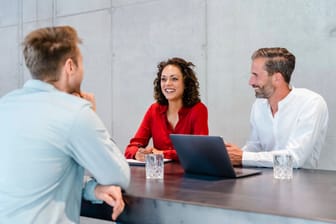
[125, 39]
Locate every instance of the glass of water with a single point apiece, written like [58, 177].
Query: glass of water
[154, 166]
[283, 166]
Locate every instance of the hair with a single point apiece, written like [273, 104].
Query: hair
[278, 60]
[46, 49]
[191, 94]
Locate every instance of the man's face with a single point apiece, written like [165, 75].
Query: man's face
[260, 80]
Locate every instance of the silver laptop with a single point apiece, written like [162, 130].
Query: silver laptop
[206, 156]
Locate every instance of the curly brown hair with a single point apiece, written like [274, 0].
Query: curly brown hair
[191, 94]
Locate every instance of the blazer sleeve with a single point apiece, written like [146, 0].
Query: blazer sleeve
[142, 136]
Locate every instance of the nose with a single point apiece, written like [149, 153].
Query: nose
[167, 82]
[251, 80]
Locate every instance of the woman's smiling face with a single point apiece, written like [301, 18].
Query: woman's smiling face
[172, 83]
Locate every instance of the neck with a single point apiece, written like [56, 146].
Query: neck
[278, 95]
[61, 84]
[58, 85]
[175, 106]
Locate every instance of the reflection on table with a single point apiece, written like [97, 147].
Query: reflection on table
[310, 197]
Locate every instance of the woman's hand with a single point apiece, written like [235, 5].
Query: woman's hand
[140, 154]
[156, 151]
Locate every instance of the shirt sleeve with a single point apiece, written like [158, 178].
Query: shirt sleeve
[252, 153]
[91, 146]
[200, 120]
[306, 138]
[170, 154]
[88, 192]
[141, 137]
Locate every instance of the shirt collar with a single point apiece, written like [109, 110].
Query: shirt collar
[163, 108]
[288, 97]
[39, 85]
[184, 110]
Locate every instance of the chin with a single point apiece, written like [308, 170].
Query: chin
[259, 95]
[169, 97]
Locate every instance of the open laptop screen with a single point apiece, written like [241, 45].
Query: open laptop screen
[206, 155]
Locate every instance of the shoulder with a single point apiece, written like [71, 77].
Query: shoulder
[156, 108]
[9, 95]
[70, 102]
[307, 100]
[306, 95]
[154, 105]
[303, 92]
[199, 108]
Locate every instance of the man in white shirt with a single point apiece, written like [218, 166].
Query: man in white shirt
[283, 118]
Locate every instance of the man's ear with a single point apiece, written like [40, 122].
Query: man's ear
[278, 77]
[69, 66]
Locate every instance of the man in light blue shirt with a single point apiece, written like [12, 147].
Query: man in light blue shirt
[50, 133]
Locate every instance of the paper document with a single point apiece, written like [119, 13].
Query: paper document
[135, 162]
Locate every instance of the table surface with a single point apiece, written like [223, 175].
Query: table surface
[311, 194]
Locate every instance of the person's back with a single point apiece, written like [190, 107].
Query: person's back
[47, 138]
[34, 151]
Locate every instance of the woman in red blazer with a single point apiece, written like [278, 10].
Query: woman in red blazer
[177, 110]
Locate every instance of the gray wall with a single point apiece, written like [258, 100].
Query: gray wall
[125, 39]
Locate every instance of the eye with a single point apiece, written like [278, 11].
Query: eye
[174, 79]
[163, 79]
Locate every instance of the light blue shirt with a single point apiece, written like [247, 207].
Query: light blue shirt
[47, 138]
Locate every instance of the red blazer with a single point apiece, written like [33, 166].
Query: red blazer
[192, 120]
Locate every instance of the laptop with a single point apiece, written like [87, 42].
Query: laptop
[206, 156]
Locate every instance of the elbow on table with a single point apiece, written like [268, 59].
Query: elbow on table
[297, 162]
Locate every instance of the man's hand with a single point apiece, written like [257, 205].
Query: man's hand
[87, 96]
[111, 195]
[235, 153]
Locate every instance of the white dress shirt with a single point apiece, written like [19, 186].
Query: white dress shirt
[298, 127]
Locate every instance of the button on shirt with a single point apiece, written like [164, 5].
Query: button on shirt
[299, 127]
[46, 138]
